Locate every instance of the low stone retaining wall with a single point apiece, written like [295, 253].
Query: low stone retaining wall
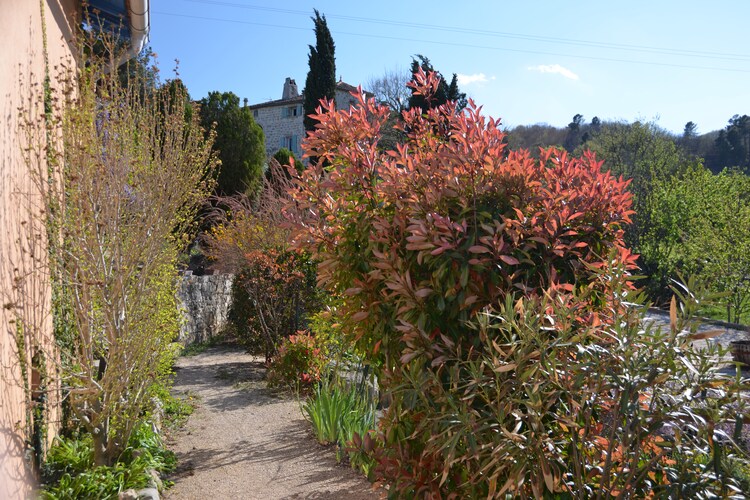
[206, 301]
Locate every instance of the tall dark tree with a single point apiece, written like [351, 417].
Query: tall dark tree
[239, 140]
[140, 73]
[689, 139]
[321, 78]
[733, 143]
[691, 130]
[454, 94]
[575, 132]
[175, 93]
[596, 124]
[445, 92]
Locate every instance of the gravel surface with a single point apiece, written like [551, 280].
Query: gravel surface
[661, 320]
[244, 441]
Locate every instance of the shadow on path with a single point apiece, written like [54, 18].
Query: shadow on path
[245, 441]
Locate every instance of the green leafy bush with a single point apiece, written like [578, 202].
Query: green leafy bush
[70, 472]
[285, 157]
[298, 363]
[492, 288]
[330, 336]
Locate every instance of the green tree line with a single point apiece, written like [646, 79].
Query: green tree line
[691, 195]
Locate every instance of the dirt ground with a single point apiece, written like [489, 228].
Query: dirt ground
[245, 442]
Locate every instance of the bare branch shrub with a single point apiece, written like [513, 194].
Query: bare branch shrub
[133, 168]
[390, 88]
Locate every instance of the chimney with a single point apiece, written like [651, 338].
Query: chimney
[290, 89]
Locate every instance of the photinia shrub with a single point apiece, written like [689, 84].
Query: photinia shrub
[298, 363]
[275, 285]
[488, 288]
[421, 238]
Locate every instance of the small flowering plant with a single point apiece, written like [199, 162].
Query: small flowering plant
[299, 362]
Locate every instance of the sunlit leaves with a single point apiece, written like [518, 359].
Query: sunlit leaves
[450, 221]
[491, 285]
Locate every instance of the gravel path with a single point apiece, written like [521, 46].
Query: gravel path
[661, 320]
[245, 442]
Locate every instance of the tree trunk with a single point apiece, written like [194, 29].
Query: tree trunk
[102, 448]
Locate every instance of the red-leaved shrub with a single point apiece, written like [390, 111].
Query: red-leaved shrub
[274, 287]
[488, 285]
[421, 238]
[298, 363]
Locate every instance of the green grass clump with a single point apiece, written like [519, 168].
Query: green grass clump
[201, 347]
[176, 409]
[340, 414]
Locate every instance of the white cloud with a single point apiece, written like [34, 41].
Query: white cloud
[475, 78]
[554, 68]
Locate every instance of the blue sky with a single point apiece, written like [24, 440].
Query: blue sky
[525, 62]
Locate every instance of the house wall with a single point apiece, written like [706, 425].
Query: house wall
[24, 284]
[344, 99]
[281, 127]
[284, 129]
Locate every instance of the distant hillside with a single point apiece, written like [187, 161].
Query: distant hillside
[729, 147]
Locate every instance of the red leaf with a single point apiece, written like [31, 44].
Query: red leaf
[438, 250]
[479, 249]
[511, 261]
[408, 357]
[360, 316]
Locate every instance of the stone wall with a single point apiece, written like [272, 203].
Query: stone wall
[282, 121]
[282, 125]
[206, 301]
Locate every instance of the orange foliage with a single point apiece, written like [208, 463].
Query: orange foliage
[451, 221]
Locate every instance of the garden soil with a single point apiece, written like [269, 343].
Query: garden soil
[246, 442]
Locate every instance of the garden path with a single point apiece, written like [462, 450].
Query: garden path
[661, 320]
[245, 442]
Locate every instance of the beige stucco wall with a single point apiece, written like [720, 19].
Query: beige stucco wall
[24, 284]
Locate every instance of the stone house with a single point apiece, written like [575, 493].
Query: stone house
[36, 40]
[281, 119]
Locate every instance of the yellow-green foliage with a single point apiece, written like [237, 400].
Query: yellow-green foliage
[135, 168]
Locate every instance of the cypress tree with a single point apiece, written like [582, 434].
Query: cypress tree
[445, 91]
[321, 79]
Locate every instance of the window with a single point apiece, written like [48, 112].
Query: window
[255, 113]
[290, 142]
[292, 111]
